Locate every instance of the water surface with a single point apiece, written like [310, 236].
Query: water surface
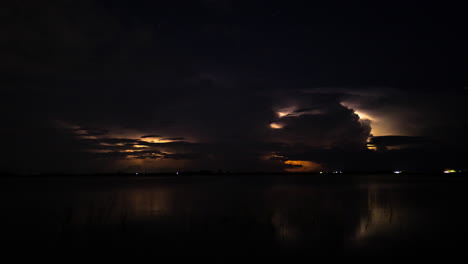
[358, 215]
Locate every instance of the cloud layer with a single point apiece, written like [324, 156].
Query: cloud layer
[88, 88]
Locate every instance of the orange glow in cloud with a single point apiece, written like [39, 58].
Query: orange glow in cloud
[156, 140]
[286, 111]
[305, 166]
[131, 150]
[371, 147]
[276, 125]
[364, 116]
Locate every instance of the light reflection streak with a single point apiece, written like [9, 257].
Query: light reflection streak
[384, 216]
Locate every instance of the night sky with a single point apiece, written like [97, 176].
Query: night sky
[241, 86]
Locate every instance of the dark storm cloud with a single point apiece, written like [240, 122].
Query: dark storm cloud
[409, 159]
[117, 141]
[113, 155]
[416, 113]
[121, 148]
[182, 156]
[212, 77]
[175, 138]
[148, 154]
[172, 145]
[302, 110]
[150, 136]
[86, 131]
[405, 112]
[293, 166]
[397, 140]
[330, 124]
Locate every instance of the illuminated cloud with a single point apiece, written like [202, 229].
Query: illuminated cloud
[158, 140]
[302, 166]
[364, 116]
[285, 111]
[295, 111]
[378, 127]
[276, 125]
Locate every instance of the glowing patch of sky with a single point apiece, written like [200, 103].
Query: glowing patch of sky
[302, 166]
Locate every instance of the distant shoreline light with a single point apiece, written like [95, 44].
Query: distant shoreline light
[450, 171]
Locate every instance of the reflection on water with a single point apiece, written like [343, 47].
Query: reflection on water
[151, 202]
[229, 215]
[382, 217]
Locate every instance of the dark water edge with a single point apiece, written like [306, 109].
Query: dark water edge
[228, 215]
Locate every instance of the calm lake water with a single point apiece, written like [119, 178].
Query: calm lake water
[358, 215]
